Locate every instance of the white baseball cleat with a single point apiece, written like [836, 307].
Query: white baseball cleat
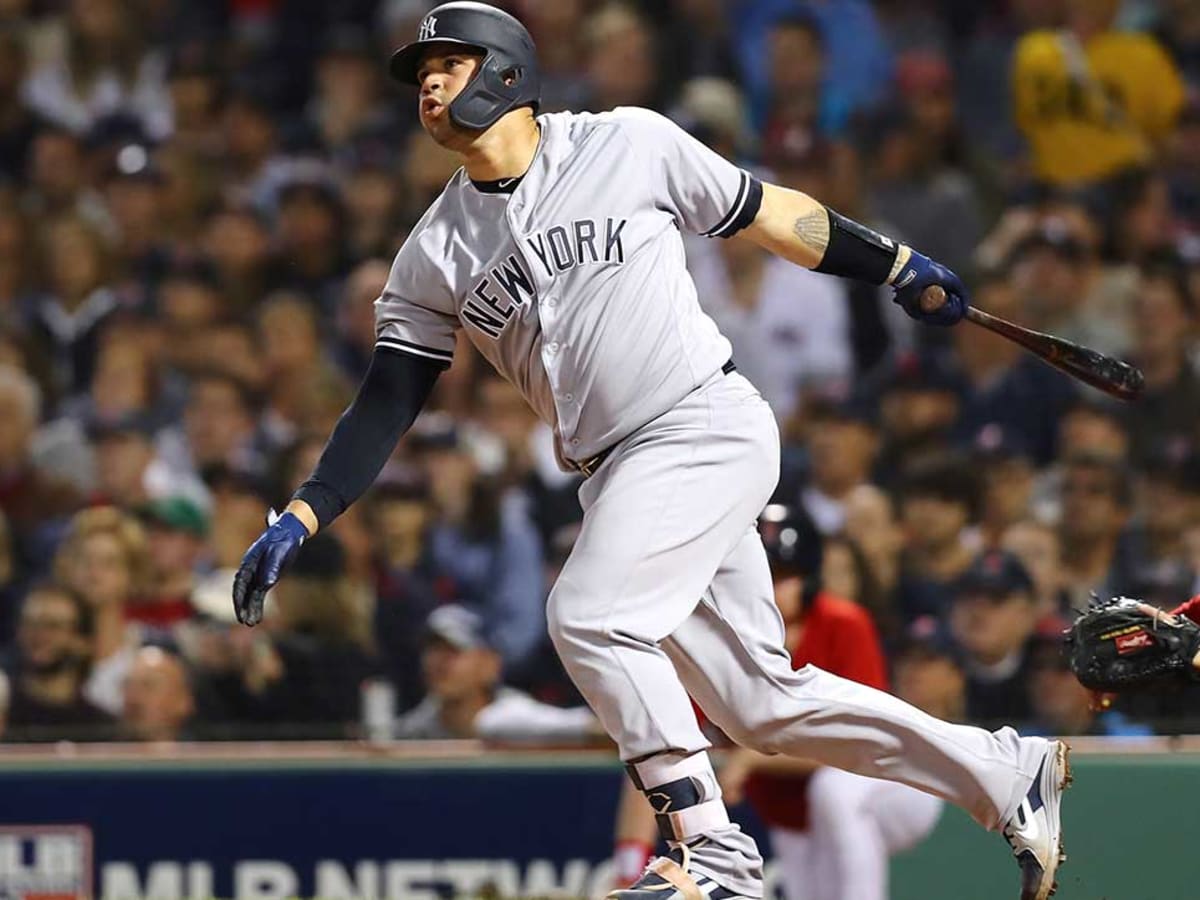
[667, 878]
[1035, 831]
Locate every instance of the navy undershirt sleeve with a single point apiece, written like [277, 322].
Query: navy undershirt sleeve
[391, 395]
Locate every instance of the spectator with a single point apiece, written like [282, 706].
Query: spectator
[919, 405]
[188, 302]
[158, 700]
[56, 185]
[219, 423]
[102, 67]
[621, 59]
[872, 525]
[1168, 506]
[937, 502]
[921, 180]
[992, 618]
[483, 537]
[407, 582]
[251, 139]
[842, 444]
[1093, 101]
[176, 529]
[845, 573]
[1140, 225]
[1165, 331]
[289, 334]
[103, 559]
[1010, 397]
[126, 463]
[849, 32]
[1057, 274]
[1089, 427]
[48, 671]
[356, 317]
[68, 321]
[134, 192]
[347, 105]
[558, 30]
[29, 498]
[237, 241]
[796, 61]
[1060, 704]
[1096, 500]
[1037, 546]
[311, 237]
[928, 675]
[1007, 481]
[466, 699]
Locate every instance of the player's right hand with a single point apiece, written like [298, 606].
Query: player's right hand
[263, 564]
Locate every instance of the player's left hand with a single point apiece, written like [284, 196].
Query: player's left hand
[935, 308]
[263, 564]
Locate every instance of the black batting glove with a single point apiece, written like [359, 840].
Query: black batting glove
[263, 563]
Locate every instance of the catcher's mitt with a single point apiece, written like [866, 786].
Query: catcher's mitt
[1123, 645]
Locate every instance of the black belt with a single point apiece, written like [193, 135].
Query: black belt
[587, 467]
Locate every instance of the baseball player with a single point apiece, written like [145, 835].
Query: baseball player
[556, 250]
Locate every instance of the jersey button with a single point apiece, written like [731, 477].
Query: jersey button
[551, 302]
[552, 347]
[568, 397]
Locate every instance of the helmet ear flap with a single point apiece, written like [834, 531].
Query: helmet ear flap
[512, 75]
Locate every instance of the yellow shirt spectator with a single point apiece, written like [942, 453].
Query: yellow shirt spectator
[1093, 108]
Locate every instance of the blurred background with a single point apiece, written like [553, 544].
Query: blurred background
[199, 203]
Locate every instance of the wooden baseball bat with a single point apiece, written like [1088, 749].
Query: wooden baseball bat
[1114, 377]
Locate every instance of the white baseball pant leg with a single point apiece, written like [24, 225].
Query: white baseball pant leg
[856, 824]
[668, 568]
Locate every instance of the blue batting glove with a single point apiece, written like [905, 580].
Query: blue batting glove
[921, 272]
[263, 564]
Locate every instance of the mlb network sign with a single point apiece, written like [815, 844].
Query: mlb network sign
[42, 862]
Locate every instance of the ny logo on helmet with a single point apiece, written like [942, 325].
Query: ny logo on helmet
[428, 29]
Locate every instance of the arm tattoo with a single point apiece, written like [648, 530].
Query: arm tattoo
[813, 229]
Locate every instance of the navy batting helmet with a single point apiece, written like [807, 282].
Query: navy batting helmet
[791, 540]
[508, 76]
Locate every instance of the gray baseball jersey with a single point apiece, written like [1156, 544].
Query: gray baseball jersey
[574, 286]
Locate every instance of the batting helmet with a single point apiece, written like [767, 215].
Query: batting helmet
[791, 540]
[508, 76]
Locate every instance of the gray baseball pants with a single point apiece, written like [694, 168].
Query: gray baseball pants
[667, 594]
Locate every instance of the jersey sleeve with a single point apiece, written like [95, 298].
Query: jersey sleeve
[707, 194]
[415, 313]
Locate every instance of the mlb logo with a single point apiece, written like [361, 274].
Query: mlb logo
[45, 862]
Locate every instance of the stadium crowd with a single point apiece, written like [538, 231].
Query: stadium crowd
[199, 203]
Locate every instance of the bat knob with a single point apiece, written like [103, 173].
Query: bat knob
[933, 298]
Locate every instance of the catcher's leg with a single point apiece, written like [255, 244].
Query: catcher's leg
[856, 824]
[729, 654]
[795, 863]
[660, 515]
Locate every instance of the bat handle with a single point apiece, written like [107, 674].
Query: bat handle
[932, 298]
